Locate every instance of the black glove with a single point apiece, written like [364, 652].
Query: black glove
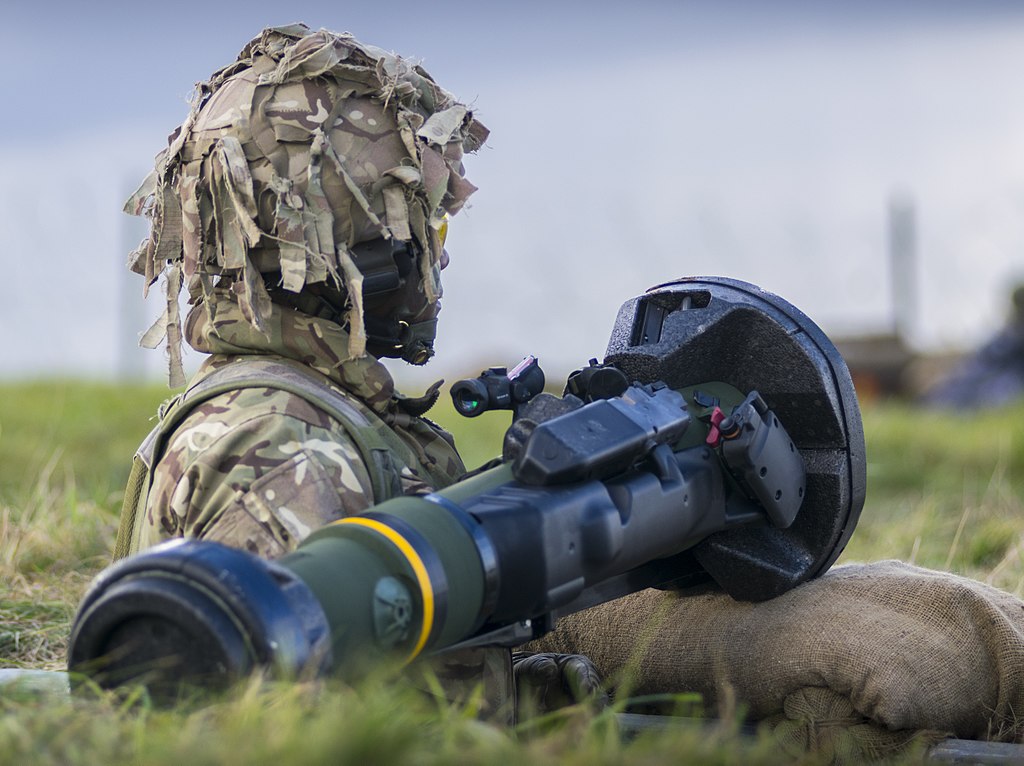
[546, 682]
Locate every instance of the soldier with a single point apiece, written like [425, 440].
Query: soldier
[303, 204]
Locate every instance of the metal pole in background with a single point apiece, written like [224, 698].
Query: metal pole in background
[903, 263]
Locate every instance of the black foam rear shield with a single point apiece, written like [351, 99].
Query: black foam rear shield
[701, 329]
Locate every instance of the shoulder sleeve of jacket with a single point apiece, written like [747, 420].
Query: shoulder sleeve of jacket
[257, 469]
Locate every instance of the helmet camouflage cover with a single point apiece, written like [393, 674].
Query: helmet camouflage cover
[307, 145]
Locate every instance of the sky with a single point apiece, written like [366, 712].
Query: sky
[631, 143]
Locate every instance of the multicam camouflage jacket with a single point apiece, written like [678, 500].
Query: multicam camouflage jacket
[259, 468]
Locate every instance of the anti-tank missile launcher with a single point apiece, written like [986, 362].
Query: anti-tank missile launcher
[733, 453]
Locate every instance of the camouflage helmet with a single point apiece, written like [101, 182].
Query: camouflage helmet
[309, 168]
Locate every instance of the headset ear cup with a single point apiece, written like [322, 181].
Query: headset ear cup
[382, 271]
[400, 322]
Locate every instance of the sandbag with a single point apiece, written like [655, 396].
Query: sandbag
[899, 651]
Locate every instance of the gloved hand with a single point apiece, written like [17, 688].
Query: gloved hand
[548, 681]
[881, 652]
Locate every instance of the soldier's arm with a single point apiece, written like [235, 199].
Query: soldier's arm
[255, 469]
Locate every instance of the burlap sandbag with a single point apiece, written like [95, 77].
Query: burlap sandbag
[868, 651]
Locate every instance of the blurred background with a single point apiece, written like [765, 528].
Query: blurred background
[864, 160]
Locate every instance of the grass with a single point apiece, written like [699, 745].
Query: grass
[944, 492]
[314, 723]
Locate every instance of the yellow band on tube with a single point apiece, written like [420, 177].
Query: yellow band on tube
[418, 568]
